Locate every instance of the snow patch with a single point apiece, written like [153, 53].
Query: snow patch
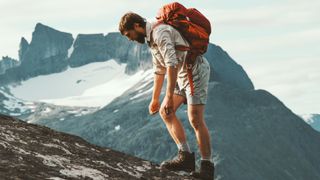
[117, 128]
[53, 160]
[121, 168]
[131, 173]
[47, 110]
[55, 178]
[308, 118]
[21, 151]
[98, 81]
[58, 147]
[16, 104]
[70, 50]
[77, 171]
[141, 94]
[4, 144]
[100, 162]
[77, 144]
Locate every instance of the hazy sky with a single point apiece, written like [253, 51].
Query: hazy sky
[277, 41]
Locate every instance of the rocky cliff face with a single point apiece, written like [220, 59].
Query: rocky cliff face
[24, 45]
[47, 53]
[30, 151]
[7, 63]
[136, 56]
[51, 51]
[88, 48]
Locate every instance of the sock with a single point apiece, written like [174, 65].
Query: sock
[206, 159]
[184, 147]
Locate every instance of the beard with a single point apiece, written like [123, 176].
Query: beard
[140, 38]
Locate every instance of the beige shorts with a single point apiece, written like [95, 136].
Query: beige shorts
[200, 80]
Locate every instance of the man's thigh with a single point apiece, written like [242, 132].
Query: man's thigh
[196, 111]
[177, 101]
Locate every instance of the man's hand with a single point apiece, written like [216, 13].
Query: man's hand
[167, 104]
[154, 106]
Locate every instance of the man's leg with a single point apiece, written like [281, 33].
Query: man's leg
[196, 118]
[185, 160]
[172, 122]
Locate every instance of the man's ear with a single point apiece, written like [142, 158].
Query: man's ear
[136, 25]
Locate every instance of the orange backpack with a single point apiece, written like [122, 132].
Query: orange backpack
[193, 26]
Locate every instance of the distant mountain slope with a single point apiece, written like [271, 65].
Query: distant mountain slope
[254, 136]
[313, 120]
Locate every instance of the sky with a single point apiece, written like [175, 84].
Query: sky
[277, 42]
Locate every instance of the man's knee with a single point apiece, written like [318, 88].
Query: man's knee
[166, 117]
[195, 119]
[195, 123]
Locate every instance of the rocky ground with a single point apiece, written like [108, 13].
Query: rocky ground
[29, 151]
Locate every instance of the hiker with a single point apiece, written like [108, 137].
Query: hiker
[168, 60]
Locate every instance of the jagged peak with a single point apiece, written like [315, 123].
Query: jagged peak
[95, 35]
[24, 41]
[113, 34]
[41, 27]
[7, 58]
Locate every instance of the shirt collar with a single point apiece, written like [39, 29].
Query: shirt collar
[148, 30]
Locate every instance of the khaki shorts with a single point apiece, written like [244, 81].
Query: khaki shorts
[200, 80]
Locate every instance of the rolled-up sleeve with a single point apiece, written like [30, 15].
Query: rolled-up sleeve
[157, 67]
[163, 38]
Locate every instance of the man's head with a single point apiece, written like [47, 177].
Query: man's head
[133, 26]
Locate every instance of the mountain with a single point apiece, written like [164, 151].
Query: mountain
[313, 120]
[47, 53]
[30, 151]
[254, 135]
[53, 51]
[7, 63]
[89, 48]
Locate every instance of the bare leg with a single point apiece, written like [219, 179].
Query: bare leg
[172, 122]
[196, 118]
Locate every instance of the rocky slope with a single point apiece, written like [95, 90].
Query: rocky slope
[29, 151]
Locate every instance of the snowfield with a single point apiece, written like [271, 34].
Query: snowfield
[95, 85]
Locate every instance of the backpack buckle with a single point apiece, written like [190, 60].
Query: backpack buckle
[189, 66]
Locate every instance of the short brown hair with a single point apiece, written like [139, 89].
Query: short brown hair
[127, 21]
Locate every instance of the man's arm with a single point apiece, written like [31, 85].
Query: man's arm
[154, 105]
[164, 39]
[171, 80]
[157, 86]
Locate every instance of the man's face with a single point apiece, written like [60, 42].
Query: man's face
[134, 35]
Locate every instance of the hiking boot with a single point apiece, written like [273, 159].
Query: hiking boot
[206, 171]
[184, 161]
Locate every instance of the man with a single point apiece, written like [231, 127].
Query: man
[162, 40]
